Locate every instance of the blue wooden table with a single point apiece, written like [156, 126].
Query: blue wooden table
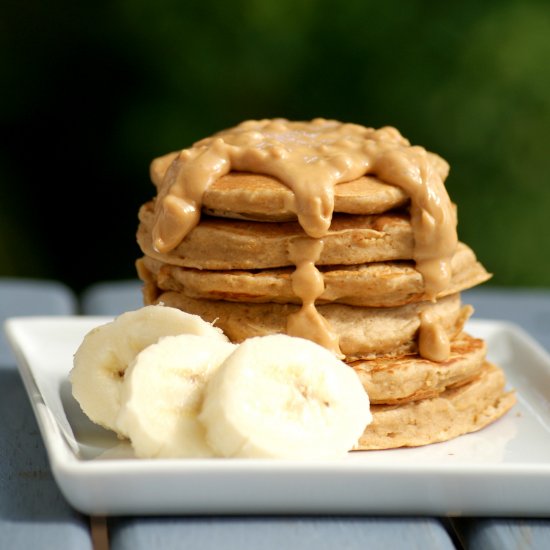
[34, 515]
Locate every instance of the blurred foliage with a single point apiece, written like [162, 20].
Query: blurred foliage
[92, 92]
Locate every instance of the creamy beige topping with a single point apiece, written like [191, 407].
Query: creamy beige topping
[308, 285]
[311, 158]
[433, 340]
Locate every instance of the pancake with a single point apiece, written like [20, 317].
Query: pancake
[244, 195]
[231, 244]
[387, 284]
[262, 198]
[411, 377]
[159, 166]
[364, 332]
[454, 412]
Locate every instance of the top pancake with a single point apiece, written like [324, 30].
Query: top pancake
[243, 195]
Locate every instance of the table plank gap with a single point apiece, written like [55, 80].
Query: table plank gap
[100, 532]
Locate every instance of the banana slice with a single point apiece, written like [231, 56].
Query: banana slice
[284, 397]
[163, 393]
[105, 352]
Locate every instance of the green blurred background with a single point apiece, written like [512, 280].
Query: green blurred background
[93, 91]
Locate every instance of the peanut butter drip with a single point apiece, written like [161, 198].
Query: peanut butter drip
[308, 285]
[433, 341]
[311, 158]
[433, 217]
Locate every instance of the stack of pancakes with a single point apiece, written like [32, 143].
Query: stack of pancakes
[233, 269]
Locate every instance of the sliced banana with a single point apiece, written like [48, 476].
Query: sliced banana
[101, 360]
[284, 397]
[163, 392]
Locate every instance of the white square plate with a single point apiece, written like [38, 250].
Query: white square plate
[503, 469]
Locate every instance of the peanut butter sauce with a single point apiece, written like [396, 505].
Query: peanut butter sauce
[308, 285]
[311, 158]
[433, 341]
